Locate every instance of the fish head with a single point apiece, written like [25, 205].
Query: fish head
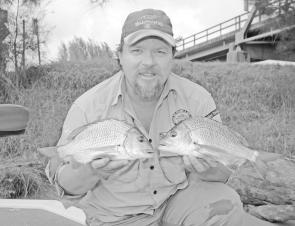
[177, 140]
[137, 145]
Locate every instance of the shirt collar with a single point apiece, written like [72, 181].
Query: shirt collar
[118, 94]
[170, 86]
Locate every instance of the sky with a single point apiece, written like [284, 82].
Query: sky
[79, 18]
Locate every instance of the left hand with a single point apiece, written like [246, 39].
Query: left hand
[207, 169]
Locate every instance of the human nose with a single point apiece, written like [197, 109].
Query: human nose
[148, 59]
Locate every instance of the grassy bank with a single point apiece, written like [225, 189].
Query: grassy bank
[257, 101]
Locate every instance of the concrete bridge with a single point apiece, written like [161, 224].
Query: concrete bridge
[251, 36]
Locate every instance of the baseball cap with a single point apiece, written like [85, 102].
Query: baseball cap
[146, 23]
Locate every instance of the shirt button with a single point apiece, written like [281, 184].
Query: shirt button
[150, 140]
[155, 192]
[152, 167]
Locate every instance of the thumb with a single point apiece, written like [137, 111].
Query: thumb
[199, 165]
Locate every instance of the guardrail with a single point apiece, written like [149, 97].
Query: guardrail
[232, 25]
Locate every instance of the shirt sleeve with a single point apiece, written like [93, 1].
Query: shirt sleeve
[207, 108]
[74, 119]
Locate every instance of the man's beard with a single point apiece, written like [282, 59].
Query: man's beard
[148, 93]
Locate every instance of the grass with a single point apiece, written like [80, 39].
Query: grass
[255, 100]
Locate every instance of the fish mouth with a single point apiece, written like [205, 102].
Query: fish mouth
[163, 147]
[147, 154]
[148, 151]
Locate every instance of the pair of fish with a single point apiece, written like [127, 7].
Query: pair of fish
[110, 138]
[199, 137]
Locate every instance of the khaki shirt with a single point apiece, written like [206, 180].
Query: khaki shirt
[144, 185]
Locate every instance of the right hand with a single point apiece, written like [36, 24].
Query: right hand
[207, 169]
[105, 167]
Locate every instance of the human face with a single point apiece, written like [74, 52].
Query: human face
[146, 65]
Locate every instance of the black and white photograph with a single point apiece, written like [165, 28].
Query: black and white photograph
[147, 113]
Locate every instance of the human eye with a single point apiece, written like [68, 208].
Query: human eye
[136, 50]
[162, 52]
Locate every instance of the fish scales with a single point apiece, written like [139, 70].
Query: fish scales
[209, 132]
[212, 132]
[103, 129]
[102, 134]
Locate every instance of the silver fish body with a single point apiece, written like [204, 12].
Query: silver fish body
[109, 138]
[206, 138]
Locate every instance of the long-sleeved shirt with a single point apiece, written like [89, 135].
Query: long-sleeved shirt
[144, 185]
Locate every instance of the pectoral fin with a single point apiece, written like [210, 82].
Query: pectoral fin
[48, 151]
[75, 132]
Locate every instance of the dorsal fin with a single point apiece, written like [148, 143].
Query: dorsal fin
[77, 131]
[241, 138]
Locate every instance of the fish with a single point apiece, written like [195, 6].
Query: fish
[112, 138]
[208, 139]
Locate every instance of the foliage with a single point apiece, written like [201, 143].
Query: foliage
[63, 55]
[81, 50]
[255, 100]
[284, 10]
[20, 12]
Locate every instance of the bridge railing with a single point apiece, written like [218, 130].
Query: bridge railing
[229, 26]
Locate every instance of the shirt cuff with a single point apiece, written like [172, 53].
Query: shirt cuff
[62, 193]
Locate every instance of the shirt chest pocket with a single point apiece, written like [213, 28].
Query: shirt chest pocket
[173, 169]
[127, 174]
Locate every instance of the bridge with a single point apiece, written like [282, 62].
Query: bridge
[251, 36]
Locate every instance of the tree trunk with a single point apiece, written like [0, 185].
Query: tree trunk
[15, 40]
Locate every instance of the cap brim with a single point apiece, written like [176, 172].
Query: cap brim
[138, 35]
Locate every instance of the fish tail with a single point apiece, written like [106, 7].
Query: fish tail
[261, 160]
[261, 167]
[48, 151]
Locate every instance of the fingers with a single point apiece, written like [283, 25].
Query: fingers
[194, 164]
[99, 163]
[187, 163]
[115, 165]
[217, 174]
[105, 167]
[107, 164]
[207, 169]
[199, 164]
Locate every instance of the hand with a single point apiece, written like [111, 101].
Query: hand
[105, 166]
[207, 169]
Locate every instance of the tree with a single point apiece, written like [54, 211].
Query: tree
[80, 50]
[4, 32]
[77, 50]
[284, 11]
[21, 38]
[63, 53]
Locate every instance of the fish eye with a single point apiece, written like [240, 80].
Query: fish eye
[173, 133]
[141, 138]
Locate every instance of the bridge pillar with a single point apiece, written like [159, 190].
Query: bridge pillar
[235, 55]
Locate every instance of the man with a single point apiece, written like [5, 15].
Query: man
[165, 190]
